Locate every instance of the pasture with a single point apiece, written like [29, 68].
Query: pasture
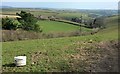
[82, 53]
[50, 12]
[54, 26]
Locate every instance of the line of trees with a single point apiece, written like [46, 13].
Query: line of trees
[76, 19]
[95, 23]
[91, 23]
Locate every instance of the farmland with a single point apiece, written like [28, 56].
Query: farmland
[59, 40]
[62, 26]
[10, 16]
[11, 13]
[94, 53]
[65, 14]
[53, 26]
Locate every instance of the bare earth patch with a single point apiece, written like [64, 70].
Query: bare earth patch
[96, 57]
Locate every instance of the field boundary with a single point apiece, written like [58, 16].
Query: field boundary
[70, 22]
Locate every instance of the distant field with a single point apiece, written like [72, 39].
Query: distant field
[71, 15]
[56, 13]
[10, 16]
[53, 26]
[49, 26]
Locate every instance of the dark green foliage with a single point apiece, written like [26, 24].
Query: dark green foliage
[51, 18]
[89, 23]
[9, 24]
[95, 23]
[78, 20]
[28, 21]
[98, 22]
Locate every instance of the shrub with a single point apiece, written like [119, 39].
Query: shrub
[28, 21]
[9, 24]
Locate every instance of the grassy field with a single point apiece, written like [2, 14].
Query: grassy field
[69, 15]
[10, 16]
[53, 26]
[85, 53]
[37, 12]
[49, 26]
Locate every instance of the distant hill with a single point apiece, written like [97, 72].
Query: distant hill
[6, 7]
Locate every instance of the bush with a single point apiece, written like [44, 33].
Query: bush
[95, 23]
[9, 24]
[28, 22]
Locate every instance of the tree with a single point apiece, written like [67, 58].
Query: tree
[28, 21]
[89, 23]
[51, 18]
[98, 23]
[95, 23]
[9, 24]
[78, 20]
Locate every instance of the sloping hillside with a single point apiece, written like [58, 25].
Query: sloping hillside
[111, 26]
[96, 53]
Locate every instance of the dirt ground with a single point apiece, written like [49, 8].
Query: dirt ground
[108, 61]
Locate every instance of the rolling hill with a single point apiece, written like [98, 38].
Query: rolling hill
[83, 54]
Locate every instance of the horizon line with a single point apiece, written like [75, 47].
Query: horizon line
[61, 8]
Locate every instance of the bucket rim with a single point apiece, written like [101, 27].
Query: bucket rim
[20, 57]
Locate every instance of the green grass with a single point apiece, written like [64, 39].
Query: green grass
[53, 26]
[111, 26]
[57, 54]
[37, 12]
[54, 54]
[69, 15]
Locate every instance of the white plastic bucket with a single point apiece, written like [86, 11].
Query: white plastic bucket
[20, 60]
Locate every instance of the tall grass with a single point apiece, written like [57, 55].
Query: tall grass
[16, 35]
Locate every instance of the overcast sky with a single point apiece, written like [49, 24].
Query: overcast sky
[74, 4]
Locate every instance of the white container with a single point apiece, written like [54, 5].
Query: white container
[20, 60]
